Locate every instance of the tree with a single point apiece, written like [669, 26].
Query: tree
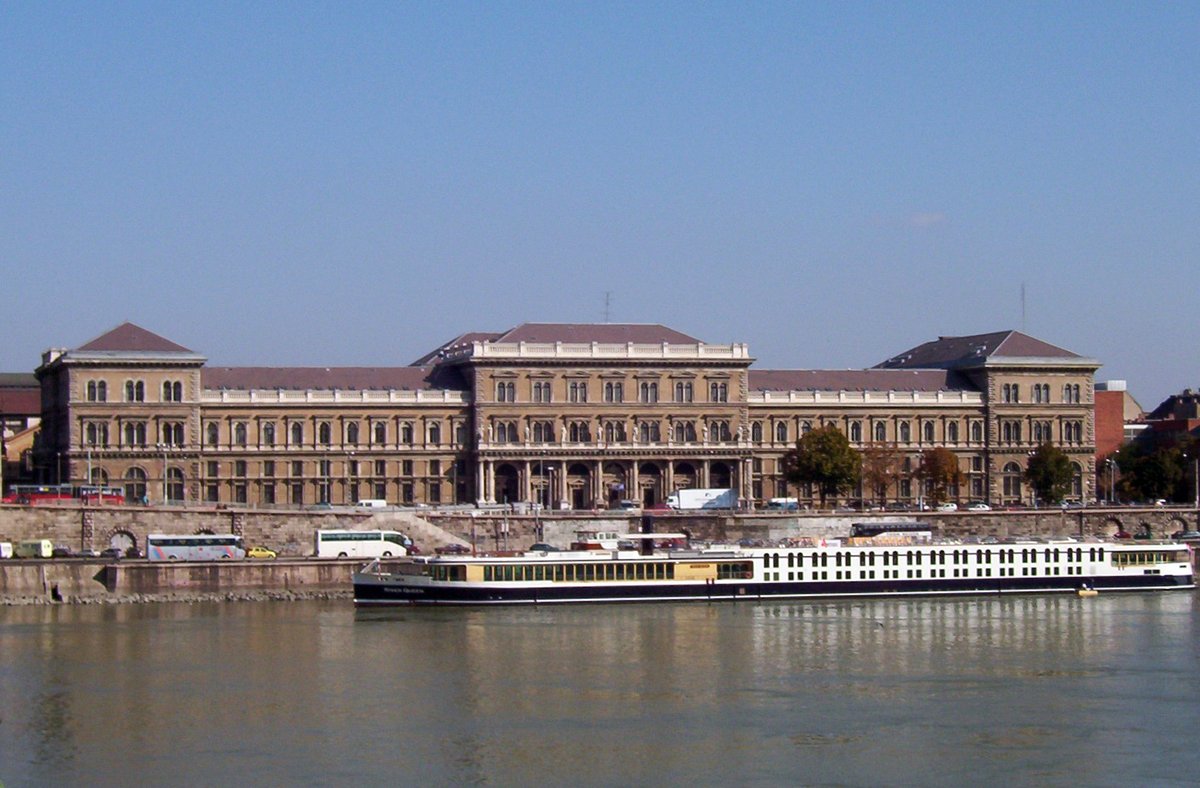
[1050, 473]
[880, 468]
[825, 458]
[939, 471]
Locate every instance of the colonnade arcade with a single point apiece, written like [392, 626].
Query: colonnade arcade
[598, 483]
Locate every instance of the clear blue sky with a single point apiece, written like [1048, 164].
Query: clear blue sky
[354, 183]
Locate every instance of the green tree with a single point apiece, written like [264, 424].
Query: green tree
[825, 458]
[1050, 473]
[939, 471]
[1157, 465]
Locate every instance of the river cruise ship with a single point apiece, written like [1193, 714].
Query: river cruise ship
[658, 569]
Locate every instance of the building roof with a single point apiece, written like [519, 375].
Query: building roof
[855, 380]
[134, 338]
[20, 401]
[328, 378]
[640, 333]
[460, 340]
[975, 350]
[19, 380]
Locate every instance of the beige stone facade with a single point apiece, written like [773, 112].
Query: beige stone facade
[573, 416]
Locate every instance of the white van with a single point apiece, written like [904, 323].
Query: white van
[6, 550]
[371, 503]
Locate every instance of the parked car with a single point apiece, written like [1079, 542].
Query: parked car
[947, 507]
[453, 549]
[61, 551]
[542, 547]
[258, 551]
[88, 552]
[112, 553]
[979, 506]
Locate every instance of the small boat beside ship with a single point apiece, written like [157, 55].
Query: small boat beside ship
[662, 567]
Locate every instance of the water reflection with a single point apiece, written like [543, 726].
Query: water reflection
[1049, 689]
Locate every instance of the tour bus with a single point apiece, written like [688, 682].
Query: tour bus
[35, 548]
[360, 544]
[197, 547]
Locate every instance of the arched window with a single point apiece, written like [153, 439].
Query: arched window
[435, 433]
[1077, 480]
[880, 431]
[928, 429]
[683, 391]
[577, 391]
[406, 433]
[268, 433]
[855, 432]
[135, 485]
[352, 433]
[135, 391]
[239, 433]
[212, 434]
[506, 391]
[614, 431]
[379, 433]
[952, 432]
[781, 432]
[756, 432]
[805, 427]
[135, 433]
[1012, 481]
[614, 391]
[718, 392]
[297, 433]
[905, 432]
[649, 391]
[579, 432]
[976, 432]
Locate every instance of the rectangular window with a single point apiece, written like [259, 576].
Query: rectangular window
[406, 492]
[268, 493]
[268, 468]
[435, 467]
[406, 467]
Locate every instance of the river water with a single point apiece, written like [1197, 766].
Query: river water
[1039, 690]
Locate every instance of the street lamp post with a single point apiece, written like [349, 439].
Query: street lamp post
[163, 448]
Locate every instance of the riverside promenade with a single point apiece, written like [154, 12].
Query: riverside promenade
[296, 574]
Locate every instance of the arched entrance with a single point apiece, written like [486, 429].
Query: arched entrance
[720, 475]
[123, 541]
[507, 484]
[685, 476]
[614, 481]
[650, 484]
[579, 486]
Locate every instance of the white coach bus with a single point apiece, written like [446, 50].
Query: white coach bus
[360, 544]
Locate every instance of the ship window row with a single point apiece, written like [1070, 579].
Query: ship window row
[935, 557]
[578, 573]
[1147, 557]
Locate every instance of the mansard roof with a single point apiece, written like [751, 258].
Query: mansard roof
[979, 349]
[856, 380]
[641, 333]
[133, 338]
[330, 378]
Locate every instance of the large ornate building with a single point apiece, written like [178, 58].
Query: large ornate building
[574, 415]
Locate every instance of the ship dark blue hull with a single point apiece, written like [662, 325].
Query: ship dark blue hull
[373, 592]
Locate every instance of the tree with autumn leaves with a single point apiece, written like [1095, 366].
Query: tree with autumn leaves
[940, 473]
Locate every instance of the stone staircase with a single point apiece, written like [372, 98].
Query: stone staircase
[425, 534]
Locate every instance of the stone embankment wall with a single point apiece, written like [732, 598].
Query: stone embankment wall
[291, 534]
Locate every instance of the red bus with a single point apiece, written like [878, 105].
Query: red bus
[35, 494]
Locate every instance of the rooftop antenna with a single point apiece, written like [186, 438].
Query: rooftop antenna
[607, 304]
[1022, 307]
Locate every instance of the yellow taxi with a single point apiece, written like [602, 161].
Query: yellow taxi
[260, 552]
